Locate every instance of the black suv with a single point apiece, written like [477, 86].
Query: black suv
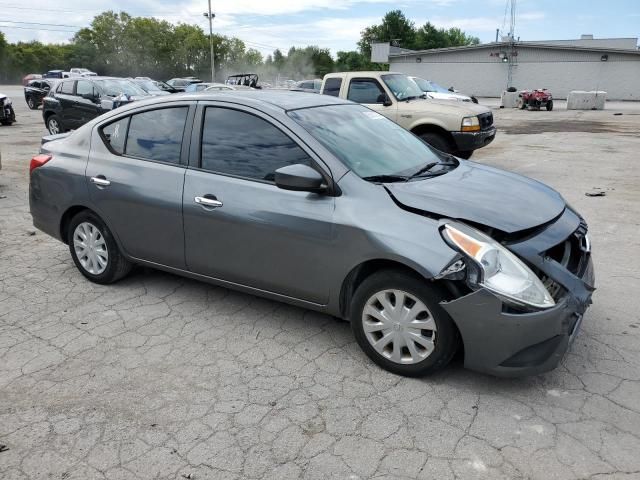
[74, 102]
[35, 91]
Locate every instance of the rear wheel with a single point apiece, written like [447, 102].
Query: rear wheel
[438, 141]
[550, 105]
[94, 250]
[398, 322]
[54, 125]
[31, 103]
[466, 154]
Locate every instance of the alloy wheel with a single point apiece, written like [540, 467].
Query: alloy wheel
[91, 248]
[399, 326]
[54, 126]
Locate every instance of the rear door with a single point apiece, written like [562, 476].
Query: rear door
[256, 234]
[370, 93]
[66, 96]
[136, 175]
[87, 101]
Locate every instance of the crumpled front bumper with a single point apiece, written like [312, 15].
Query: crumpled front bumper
[468, 141]
[505, 343]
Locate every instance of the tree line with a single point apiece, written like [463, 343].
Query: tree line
[123, 45]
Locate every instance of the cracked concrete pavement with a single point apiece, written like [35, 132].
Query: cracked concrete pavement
[164, 377]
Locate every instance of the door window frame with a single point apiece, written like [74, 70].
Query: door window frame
[186, 134]
[195, 157]
[370, 80]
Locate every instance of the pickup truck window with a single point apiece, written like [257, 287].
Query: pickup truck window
[402, 87]
[332, 86]
[365, 90]
[365, 141]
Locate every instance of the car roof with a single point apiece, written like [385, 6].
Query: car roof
[283, 99]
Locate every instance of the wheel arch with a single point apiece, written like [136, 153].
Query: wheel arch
[432, 128]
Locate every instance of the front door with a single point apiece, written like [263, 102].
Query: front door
[239, 227]
[87, 102]
[135, 177]
[370, 93]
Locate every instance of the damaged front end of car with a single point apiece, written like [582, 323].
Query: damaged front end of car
[518, 302]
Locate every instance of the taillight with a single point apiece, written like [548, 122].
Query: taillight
[38, 161]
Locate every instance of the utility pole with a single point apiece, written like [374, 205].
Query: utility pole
[211, 16]
[512, 46]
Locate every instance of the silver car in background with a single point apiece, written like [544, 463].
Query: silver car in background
[325, 204]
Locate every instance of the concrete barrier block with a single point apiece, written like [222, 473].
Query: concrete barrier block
[509, 99]
[579, 100]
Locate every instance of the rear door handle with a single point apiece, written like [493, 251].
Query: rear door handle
[100, 181]
[208, 201]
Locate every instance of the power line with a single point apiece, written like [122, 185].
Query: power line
[45, 24]
[31, 28]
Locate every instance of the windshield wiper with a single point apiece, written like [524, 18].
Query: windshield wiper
[386, 178]
[424, 169]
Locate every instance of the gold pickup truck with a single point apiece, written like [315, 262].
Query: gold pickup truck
[458, 128]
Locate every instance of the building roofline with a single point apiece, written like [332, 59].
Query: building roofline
[532, 44]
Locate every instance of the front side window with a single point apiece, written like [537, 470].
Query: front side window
[67, 88]
[244, 145]
[157, 134]
[365, 141]
[332, 87]
[365, 90]
[115, 134]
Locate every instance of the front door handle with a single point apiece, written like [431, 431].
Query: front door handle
[100, 181]
[208, 201]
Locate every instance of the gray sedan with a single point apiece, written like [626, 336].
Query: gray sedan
[325, 204]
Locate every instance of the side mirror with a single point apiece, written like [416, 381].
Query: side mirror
[299, 178]
[384, 99]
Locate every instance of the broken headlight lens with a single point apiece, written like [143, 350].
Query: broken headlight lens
[500, 270]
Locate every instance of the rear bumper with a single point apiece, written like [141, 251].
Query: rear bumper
[468, 141]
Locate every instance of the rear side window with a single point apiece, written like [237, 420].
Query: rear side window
[365, 91]
[67, 88]
[332, 87]
[84, 88]
[244, 145]
[157, 134]
[115, 134]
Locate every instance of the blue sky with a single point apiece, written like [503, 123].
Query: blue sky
[336, 24]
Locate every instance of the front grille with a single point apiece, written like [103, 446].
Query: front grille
[572, 254]
[486, 120]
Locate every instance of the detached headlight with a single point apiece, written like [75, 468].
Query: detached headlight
[500, 270]
[470, 124]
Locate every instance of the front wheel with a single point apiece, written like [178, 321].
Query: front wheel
[398, 322]
[94, 250]
[465, 154]
[437, 141]
[549, 105]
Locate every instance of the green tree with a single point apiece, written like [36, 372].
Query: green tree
[394, 26]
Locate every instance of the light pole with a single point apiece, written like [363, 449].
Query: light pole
[211, 16]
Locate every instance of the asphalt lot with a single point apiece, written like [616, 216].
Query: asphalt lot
[164, 377]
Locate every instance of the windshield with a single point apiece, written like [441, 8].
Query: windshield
[402, 87]
[148, 85]
[365, 141]
[428, 86]
[114, 87]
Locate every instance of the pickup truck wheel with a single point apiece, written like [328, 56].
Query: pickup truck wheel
[437, 141]
[54, 125]
[398, 322]
[466, 154]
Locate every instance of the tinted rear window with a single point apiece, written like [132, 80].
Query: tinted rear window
[332, 87]
[157, 134]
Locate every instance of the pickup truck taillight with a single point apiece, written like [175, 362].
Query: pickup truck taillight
[38, 161]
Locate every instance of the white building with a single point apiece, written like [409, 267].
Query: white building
[612, 65]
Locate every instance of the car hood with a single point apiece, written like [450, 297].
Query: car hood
[484, 195]
[448, 96]
[440, 104]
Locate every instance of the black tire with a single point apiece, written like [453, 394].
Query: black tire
[522, 105]
[117, 266]
[474, 99]
[31, 103]
[54, 119]
[446, 339]
[466, 154]
[549, 105]
[438, 141]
